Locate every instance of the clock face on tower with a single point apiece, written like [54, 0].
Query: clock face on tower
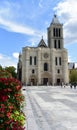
[45, 55]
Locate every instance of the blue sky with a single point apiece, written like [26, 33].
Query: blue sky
[24, 22]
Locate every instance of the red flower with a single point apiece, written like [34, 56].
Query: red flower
[10, 108]
[4, 98]
[2, 109]
[18, 87]
[8, 114]
[9, 89]
[10, 100]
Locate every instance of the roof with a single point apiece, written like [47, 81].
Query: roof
[71, 65]
[42, 43]
[55, 20]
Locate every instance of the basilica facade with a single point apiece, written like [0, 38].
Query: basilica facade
[46, 64]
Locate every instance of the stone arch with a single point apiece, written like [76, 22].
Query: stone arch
[33, 80]
[46, 78]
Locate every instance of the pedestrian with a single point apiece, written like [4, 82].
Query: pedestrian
[71, 86]
[75, 86]
[62, 84]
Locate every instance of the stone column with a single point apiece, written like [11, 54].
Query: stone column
[52, 63]
[27, 63]
[65, 67]
[23, 66]
[62, 40]
[39, 65]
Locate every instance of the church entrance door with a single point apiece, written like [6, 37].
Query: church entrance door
[58, 81]
[45, 81]
[33, 81]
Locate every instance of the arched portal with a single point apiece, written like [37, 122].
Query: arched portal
[46, 78]
[33, 80]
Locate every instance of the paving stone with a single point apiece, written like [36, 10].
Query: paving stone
[51, 108]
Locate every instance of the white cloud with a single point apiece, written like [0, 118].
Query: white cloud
[34, 40]
[8, 60]
[14, 27]
[16, 55]
[67, 10]
[65, 7]
[75, 65]
[9, 12]
[10, 19]
[18, 28]
[1, 57]
[40, 4]
[69, 58]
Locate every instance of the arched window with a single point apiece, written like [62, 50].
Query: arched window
[45, 67]
[54, 32]
[30, 60]
[56, 62]
[59, 44]
[59, 60]
[35, 60]
[55, 44]
[59, 32]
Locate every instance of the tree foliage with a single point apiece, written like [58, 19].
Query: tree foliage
[1, 67]
[12, 70]
[73, 76]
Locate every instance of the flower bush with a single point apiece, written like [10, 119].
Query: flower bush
[11, 100]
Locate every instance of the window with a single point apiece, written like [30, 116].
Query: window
[33, 71]
[59, 60]
[58, 71]
[45, 67]
[54, 32]
[59, 32]
[35, 60]
[55, 44]
[55, 60]
[30, 60]
[58, 43]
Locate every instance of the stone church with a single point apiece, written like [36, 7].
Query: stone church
[46, 64]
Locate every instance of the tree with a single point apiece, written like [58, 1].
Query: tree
[1, 67]
[73, 76]
[12, 70]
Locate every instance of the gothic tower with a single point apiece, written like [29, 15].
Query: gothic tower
[55, 34]
[58, 54]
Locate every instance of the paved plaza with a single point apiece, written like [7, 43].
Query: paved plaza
[50, 108]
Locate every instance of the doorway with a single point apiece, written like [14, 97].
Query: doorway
[45, 81]
[58, 81]
[33, 81]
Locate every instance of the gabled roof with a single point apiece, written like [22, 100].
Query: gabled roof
[42, 43]
[55, 20]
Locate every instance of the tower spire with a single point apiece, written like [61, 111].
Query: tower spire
[55, 20]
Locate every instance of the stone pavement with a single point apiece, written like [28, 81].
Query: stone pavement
[51, 108]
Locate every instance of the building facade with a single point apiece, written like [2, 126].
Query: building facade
[46, 64]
